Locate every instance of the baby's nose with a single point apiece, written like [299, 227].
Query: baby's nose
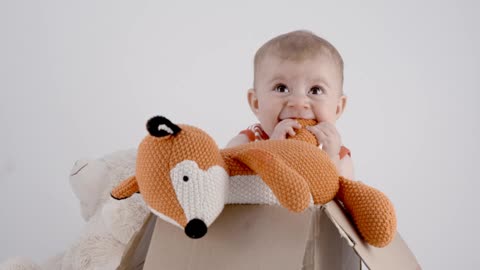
[298, 102]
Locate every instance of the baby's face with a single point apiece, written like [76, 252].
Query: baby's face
[308, 89]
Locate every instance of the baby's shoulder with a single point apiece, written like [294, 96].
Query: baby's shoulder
[238, 140]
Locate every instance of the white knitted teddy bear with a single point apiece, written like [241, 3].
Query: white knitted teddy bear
[110, 224]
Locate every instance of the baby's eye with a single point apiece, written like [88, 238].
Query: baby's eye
[281, 88]
[316, 90]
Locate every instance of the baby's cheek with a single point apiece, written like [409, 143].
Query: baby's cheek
[324, 115]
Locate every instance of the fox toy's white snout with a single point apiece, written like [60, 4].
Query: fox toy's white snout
[201, 193]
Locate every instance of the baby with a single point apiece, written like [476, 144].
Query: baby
[298, 75]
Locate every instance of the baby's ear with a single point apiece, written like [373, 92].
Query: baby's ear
[253, 100]
[341, 104]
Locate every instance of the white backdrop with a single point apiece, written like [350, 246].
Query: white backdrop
[80, 78]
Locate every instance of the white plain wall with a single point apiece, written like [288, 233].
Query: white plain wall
[80, 78]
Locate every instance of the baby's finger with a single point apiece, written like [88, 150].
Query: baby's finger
[319, 133]
[293, 123]
[291, 131]
[321, 137]
[333, 133]
[333, 129]
[289, 123]
[325, 127]
[321, 130]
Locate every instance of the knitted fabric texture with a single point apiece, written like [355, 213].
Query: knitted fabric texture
[369, 209]
[184, 176]
[249, 189]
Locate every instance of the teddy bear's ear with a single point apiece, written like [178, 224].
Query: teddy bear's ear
[160, 126]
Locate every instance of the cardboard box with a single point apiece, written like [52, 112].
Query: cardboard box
[265, 237]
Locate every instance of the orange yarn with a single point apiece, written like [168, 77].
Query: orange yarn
[371, 211]
[296, 170]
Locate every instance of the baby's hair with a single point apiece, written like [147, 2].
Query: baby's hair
[298, 46]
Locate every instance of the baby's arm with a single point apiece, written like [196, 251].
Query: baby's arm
[345, 167]
[238, 140]
[328, 136]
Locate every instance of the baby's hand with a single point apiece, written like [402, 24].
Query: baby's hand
[284, 127]
[328, 136]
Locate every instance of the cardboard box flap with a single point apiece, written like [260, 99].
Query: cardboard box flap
[242, 237]
[264, 237]
[396, 255]
[134, 256]
[325, 248]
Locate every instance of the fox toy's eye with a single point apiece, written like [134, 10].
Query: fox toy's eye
[316, 90]
[281, 88]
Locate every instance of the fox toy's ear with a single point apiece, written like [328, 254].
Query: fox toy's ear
[160, 126]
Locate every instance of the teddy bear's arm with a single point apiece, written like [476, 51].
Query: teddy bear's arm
[125, 189]
[289, 187]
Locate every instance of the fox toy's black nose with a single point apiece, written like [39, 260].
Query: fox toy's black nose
[196, 228]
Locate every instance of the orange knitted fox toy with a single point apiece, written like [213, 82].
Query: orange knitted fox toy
[186, 180]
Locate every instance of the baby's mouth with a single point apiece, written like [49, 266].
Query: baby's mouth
[296, 118]
[303, 121]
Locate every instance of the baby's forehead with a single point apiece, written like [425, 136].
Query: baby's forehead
[277, 56]
[297, 54]
[320, 64]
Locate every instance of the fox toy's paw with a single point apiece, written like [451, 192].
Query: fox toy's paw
[125, 189]
[371, 210]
